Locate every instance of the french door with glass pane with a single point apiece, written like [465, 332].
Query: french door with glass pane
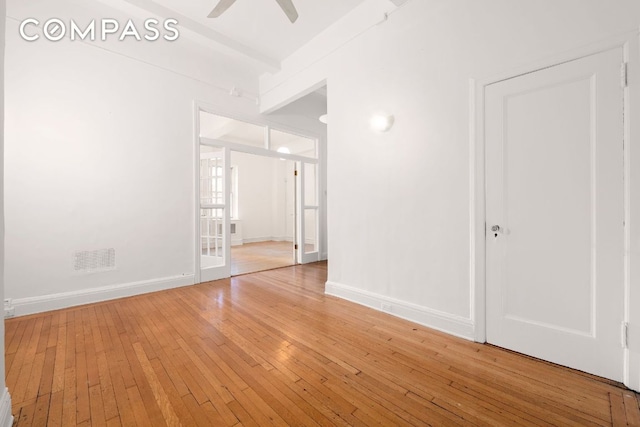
[217, 200]
[214, 242]
[308, 219]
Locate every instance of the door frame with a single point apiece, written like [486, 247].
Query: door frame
[260, 151]
[630, 44]
[304, 257]
[224, 270]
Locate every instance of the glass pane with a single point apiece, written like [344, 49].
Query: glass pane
[310, 230]
[211, 176]
[293, 144]
[310, 185]
[212, 237]
[230, 130]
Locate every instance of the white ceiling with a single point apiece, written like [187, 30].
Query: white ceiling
[255, 28]
[311, 106]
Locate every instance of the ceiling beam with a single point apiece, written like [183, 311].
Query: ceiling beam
[208, 36]
[213, 35]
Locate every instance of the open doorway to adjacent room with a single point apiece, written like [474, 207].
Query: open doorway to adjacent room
[264, 216]
[259, 205]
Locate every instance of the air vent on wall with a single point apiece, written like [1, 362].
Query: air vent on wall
[91, 261]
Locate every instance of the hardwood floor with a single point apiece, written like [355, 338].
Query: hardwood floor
[261, 256]
[272, 349]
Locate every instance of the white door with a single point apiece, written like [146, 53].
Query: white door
[214, 242]
[554, 187]
[309, 216]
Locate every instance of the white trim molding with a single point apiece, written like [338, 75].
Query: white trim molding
[39, 304]
[434, 319]
[632, 214]
[6, 418]
[268, 239]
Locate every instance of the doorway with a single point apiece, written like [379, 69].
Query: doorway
[257, 206]
[554, 214]
[264, 217]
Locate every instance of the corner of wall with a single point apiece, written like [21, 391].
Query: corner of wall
[304, 71]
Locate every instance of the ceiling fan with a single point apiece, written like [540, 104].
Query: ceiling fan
[286, 5]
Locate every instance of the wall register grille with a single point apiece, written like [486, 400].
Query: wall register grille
[91, 261]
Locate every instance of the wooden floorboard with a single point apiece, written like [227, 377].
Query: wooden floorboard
[261, 256]
[271, 349]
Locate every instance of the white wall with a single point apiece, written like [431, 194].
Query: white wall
[6, 419]
[255, 195]
[99, 154]
[265, 197]
[262, 197]
[399, 203]
[284, 200]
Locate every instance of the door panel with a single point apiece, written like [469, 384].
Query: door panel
[215, 238]
[555, 189]
[308, 224]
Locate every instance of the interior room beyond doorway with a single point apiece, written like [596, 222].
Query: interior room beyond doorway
[263, 224]
[256, 185]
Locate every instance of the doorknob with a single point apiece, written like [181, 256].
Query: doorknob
[495, 228]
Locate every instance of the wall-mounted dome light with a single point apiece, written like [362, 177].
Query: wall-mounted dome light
[381, 122]
[323, 119]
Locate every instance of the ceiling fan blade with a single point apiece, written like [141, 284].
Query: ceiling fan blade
[222, 6]
[289, 9]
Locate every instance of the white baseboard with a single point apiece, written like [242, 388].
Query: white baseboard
[267, 239]
[6, 419]
[240, 242]
[256, 239]
[39, 304]
[434, 319]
